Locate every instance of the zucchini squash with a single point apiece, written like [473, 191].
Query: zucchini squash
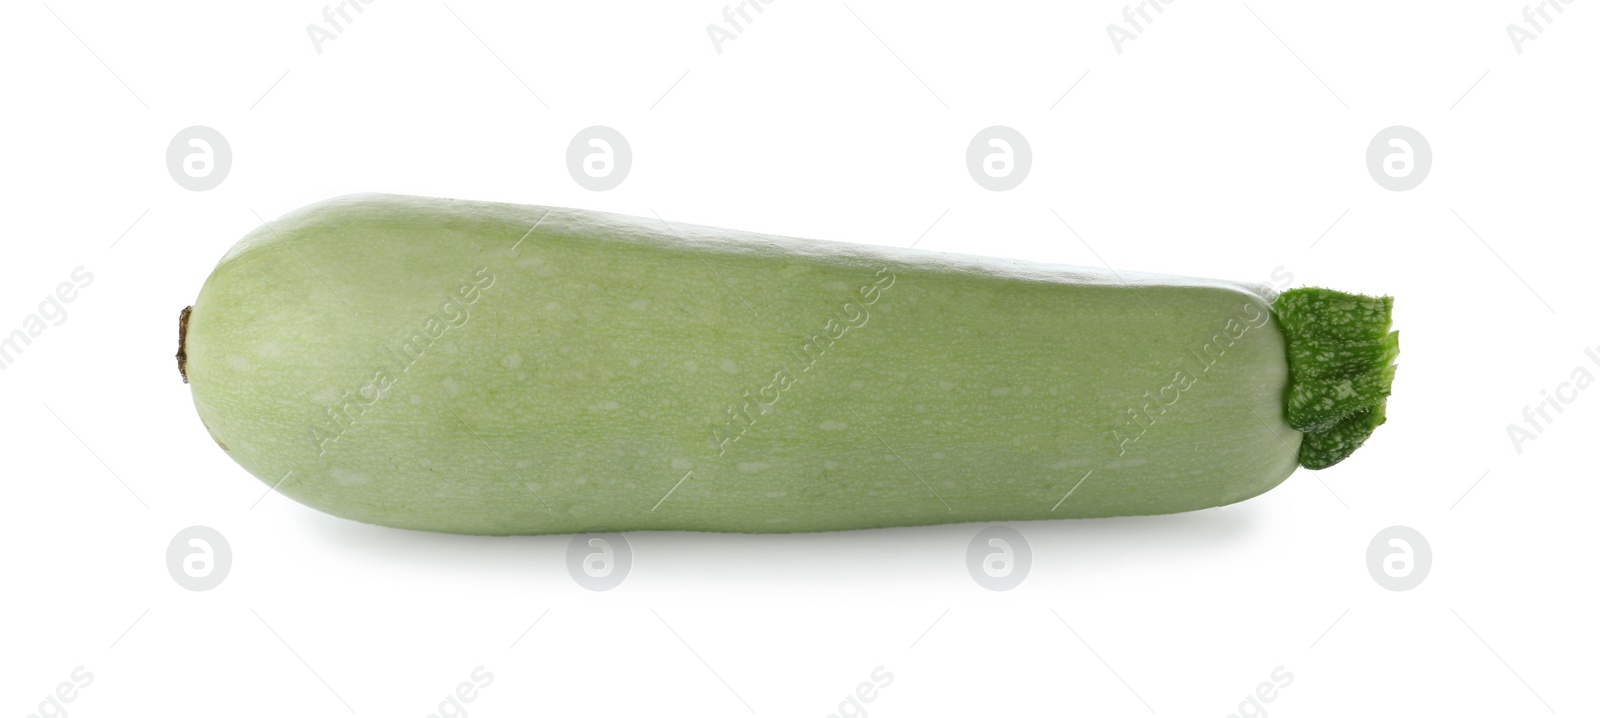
[489, 368]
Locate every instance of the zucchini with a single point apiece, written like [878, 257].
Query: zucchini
[487, 368]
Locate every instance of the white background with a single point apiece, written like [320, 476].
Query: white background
[1206, 147]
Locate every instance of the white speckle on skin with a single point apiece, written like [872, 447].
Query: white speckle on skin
[639, 306]
[524, 464]
[269, 349]
[606, 405]
[858, 385]
[830, 464]
[752, 467]
[730, 367]
[1001, 391]
[831, 425]
[238, 363]
[451, 387]
[692, 365]
[512, 360]
[684, 464]
[777, 494]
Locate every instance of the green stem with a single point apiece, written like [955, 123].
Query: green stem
[1341, 367]
[183, 336]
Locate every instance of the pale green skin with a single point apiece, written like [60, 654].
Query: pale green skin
[607, 349]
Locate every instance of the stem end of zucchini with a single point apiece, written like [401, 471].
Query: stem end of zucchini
[183, 335]
[1341, 368]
